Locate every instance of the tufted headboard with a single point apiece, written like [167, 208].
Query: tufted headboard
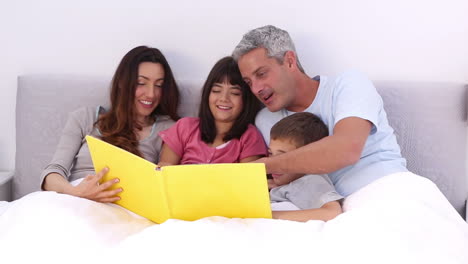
[429, 120]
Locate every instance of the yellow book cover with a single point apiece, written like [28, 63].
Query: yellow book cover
[186, 192]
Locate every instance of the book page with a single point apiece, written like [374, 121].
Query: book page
[231, 190]
[143, 188]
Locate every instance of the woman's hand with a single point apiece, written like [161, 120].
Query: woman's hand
[91, 189]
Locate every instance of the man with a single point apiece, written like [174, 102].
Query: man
[361, 147]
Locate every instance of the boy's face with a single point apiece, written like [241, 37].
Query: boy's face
[280, 146]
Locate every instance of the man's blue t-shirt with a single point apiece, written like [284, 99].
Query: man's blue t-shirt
[350, 94]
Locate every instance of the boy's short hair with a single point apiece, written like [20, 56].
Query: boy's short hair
[302, 128]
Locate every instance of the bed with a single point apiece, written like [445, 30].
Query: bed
[401, 218]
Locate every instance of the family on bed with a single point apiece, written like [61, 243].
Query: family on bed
[327, 137]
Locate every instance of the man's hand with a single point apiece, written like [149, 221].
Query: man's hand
[91, 189]
[271, 184]
[266, 161]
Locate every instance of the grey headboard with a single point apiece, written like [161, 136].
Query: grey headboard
[43, 103]
[429, 120]
[42, 107]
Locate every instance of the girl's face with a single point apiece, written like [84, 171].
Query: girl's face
[149, 89]
[225, 102]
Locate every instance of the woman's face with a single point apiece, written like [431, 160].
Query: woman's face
[225, 102]
[149, 89]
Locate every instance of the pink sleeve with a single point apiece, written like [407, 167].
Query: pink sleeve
[176, 136]
[252, 143]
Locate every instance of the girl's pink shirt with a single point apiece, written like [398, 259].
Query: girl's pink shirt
[184, 138]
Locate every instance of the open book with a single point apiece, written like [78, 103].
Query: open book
[187, 192]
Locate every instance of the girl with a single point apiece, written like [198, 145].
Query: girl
[144, 98]
[223, 132]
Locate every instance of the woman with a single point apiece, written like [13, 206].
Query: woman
[144, 99]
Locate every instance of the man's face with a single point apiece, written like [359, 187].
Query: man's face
[270, 81]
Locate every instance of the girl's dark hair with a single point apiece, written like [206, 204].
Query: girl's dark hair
[226, 70]
[118, 125]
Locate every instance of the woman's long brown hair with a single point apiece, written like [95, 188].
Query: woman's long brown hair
[118, 125]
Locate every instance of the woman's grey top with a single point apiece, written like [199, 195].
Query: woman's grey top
[72, 159]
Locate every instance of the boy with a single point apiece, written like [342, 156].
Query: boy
[305, 197]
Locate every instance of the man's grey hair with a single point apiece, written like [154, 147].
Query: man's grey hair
[275, 40]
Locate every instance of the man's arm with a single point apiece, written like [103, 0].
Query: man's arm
[327, 212]
[329, 154]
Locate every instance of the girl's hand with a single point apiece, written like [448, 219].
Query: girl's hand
[91, 189]
[162, 164]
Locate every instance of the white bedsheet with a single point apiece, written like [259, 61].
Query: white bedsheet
[401, 218]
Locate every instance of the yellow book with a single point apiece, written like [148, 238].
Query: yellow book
[187, 192]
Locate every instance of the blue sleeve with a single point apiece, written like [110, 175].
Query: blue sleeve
[356, 96]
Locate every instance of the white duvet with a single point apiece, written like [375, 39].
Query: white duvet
[401, 218]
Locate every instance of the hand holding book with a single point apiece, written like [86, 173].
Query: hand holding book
[187, 192]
